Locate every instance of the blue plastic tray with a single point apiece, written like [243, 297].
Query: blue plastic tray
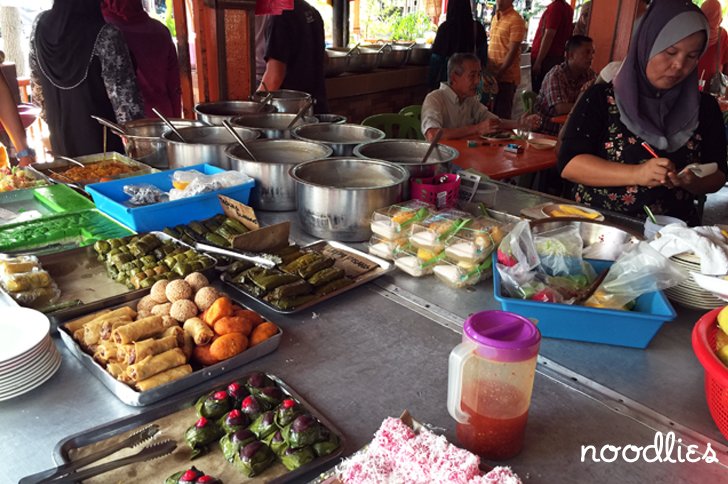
[634, 329]
[111, 199]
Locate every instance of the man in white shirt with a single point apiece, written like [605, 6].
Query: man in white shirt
[455, 108]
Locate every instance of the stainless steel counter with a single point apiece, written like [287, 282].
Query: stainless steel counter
[384, 347]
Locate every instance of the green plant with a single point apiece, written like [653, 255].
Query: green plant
[169, 19]
[411, 26]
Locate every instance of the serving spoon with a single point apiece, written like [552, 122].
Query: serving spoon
[169, 124]
[238, 138]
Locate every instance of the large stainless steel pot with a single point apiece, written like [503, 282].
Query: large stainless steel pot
[274, 188]
[204, 144]
[331, 118]
[337, 196]
[338, 63]
[420, 55]
[274, 125]
[341, 137]
[409, 154]
[361, 59]
[392, 55]
[215, 113]
[286, 100]
[143, 140]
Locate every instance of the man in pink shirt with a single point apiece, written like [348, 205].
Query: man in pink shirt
[553, 31]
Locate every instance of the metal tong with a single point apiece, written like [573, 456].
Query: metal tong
[268, 261]
[132, 441]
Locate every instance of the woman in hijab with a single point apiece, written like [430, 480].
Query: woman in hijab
[654, 99]
[715, 58]
[459, 33]
[80, 66]
[153, 54]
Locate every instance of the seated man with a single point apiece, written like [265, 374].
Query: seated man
[562, 84]
[455, 108]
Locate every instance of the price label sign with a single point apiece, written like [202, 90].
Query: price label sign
[239, 211]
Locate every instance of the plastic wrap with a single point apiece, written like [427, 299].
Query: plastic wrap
[559, 250]
[145, 194]
[394, 222]
[14, 265]
[191, 182]
[433, 232]
[476, 241]
[459, 275]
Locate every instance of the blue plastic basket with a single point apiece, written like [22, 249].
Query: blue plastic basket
[111, 199]
[634, 329]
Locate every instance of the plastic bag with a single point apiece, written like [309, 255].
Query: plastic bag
[559, 250]
[640, 270]
[195, 182]
[145, 194]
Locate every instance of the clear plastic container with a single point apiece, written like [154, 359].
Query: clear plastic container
[476, 241]
[385, 248]
[433, 232]
[416, 262]
[14, 265]
[652, 228]
[459, 275]
[26, 281]
[486, 193]
[393, 222]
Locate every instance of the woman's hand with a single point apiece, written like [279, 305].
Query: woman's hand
[654, 172]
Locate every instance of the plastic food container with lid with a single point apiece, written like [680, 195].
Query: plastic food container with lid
[385, 248]
[433, 232]
[476, 241]
[416, 262]
[393, 222]
[459, 275]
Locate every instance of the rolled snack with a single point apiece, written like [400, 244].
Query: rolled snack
[141, 329]
[117, 369]
[151, 365]
[92, 330]
[201, 333]
[189, 344]
[78, 335]
[151, 346]
[177, 332]
[110, 325]
[106, 351]
[126, 353]
[164, 377]
[76, 324]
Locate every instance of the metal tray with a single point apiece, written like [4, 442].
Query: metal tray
[118, 429]
[134, 398]
[384, 267]
[59, 165]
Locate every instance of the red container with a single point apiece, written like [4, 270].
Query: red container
[442, 195]
[716, 373]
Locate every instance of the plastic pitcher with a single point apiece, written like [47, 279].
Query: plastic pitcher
[490, 381]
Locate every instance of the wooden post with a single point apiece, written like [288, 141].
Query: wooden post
[613, 31]
[183, 52]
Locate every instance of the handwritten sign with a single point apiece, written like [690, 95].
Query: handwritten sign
[239, 211]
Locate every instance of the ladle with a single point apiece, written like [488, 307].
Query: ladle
[265, 101]
[300, 113]
[110, 124]
[433, 143]
[238, 138]
[169, 124]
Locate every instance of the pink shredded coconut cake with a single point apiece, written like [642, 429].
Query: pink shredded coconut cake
[398, 455]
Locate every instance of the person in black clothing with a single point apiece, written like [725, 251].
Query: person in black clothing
[295, 53]
[459, 33]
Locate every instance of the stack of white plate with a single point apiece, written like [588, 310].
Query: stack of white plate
[688, 293]
[28, 356]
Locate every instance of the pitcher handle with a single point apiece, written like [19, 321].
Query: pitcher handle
[458, 356]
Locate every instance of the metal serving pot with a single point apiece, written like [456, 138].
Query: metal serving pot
[408, 154]
[214, 113]
[274, 189]
[420, 55]
[204, 144]
[331, 118]
[361, 59]
[286, 100]
[143, 140]
[393, 55]
[341, 137]
[337, 196]
[338, 63]
[274, 125]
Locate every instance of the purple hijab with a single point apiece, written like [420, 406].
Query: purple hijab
[664, 119]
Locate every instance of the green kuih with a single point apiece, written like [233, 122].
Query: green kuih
[254, 458]
[234, 420]
[264, 424]
[295, 458]
[276, 442]
[328, 442]
[214, 405]
[286, 412]
[201, 435]
[269, 397]
[257, 381]
[303, 431]
[231, 444]
[191, 476]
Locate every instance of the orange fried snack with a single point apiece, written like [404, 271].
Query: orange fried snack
[262, 332]
[233, 324]
[202, 355]
[228, 345]
[220, 308]
[254, 318]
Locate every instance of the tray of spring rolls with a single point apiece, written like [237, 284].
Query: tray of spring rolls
[182, 333]
[254, 429]
[81, 280]
[306, 275]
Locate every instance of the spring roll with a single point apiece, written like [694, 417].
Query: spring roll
[108, 326]
[92, 330]
[189, 345]
[76, 324]
[117, 369]
[78, 335]
[177, 332]
[200, 332]
[125, 353]
[164, 377]
[106, 351]
[138, 330]
[151, 365]
[151, 347]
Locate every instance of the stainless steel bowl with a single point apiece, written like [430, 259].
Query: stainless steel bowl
[274, 125]
[420, 55]
[215, 113]
[602, 240]
[204, 144]
[409, 154]
[331, 118]
[338, 63]
[361, 59]
[337, 196]
[286, 100]
[143, 140]
[274, 188]
[393, 55]
[341, 137]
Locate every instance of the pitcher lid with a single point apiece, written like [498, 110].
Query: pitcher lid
[503, 335]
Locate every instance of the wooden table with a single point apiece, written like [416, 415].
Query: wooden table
[561, 119]
[489, 157]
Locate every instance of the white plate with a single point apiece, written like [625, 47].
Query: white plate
[31, 374]
[35, 384]
[542, 143]
[39, 349]
[21, 329]
[548, 210]
[715, 285]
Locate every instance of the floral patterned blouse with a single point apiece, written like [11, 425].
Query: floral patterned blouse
[595, 128]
